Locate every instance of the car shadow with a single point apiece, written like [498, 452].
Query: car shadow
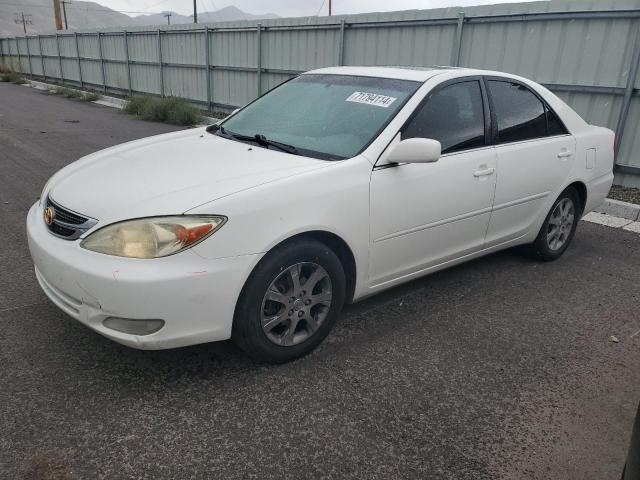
[216, 361]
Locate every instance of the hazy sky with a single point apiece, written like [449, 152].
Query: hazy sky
[286, 8]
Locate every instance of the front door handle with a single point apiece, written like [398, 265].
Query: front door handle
[484, 172]
[564, 154]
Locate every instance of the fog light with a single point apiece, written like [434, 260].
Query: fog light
[133, 327]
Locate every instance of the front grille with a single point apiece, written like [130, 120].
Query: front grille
[60, 230]
[66, 216]
[66, 223]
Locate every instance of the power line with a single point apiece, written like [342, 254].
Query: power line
[155, 4]
[23, 19]
[321, 6]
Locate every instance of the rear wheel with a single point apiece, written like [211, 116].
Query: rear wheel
[290, 303]
[558, 228]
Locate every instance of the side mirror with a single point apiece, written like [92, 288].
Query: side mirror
[415, 150]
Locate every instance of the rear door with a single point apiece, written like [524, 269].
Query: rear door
[535, 153]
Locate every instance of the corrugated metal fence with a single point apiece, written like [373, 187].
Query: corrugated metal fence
[586, 51]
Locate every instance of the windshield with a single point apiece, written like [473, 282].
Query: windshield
[322, 116]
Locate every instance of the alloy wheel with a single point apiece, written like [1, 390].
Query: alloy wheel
[560, 224]
[296, 303]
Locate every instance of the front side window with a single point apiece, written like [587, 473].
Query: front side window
[323, 116]
[453, 115]
[520, 114]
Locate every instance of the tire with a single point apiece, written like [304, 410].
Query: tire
[295, 320]
[562, 220]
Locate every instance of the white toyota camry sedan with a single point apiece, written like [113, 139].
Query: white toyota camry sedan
[336, 185]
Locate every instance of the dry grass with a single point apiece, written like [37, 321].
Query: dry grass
[75, 94]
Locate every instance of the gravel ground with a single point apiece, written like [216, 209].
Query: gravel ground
[500, 368]
[625, 194]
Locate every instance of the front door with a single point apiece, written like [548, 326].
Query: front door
[425, 214]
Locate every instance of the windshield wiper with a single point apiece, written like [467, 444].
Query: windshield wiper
[285, 147]
[258, 138]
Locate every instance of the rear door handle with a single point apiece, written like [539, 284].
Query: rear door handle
[564, 154]
[484, 173]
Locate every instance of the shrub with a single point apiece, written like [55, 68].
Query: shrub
[136, 105]
[13, 77]
[168, 110]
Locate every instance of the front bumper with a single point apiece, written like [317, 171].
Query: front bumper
[195, 297]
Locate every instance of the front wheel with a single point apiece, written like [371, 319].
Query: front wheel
[290, 303]
[558, 228]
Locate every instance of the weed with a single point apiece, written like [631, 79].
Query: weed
[90, 97]
[171, 110]
[75, 94]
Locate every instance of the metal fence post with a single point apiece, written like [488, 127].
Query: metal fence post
[457, 43]
[44, 72]
[341, 44]
[18, 52]
[160, 64]
[29, 58]
[59, 59]
[104, 79]
[259, 55]
[126, 55]
[208, 64]
[631, 82]
[75, 37]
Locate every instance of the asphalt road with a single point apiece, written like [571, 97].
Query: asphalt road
[499, 368]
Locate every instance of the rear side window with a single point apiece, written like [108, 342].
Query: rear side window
[520, 114]
[453, 115]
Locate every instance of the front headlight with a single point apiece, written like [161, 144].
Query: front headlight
[152, 237]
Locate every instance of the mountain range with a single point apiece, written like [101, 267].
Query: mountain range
[227, 14]
[82, 15]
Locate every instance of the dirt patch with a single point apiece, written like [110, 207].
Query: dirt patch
[50, 465]
[625, 194]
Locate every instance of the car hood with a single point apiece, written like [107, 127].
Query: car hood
[168, 174]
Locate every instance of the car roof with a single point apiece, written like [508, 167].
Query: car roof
[420, 74]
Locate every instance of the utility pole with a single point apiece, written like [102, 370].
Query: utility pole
[64, 12]
[195, 12]
[58, 17]
[329, 7]
[168, 15]
[23, 19]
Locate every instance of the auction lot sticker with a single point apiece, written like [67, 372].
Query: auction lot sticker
[371, 99]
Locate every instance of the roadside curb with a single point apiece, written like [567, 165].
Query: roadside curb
[619, 209]
[105, 100]
[612, 221]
